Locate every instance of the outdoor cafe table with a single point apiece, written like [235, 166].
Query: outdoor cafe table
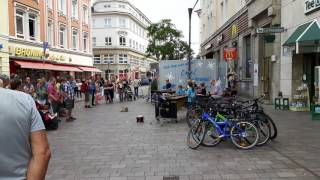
[170, 106]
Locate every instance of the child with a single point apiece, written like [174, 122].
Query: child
[180, 91]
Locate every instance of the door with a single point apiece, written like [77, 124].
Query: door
[266, 77]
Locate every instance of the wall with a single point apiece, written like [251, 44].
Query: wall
[4, 37]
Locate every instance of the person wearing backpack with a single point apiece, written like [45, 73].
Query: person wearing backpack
[191, 92]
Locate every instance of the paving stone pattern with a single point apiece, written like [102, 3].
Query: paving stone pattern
[104, 144]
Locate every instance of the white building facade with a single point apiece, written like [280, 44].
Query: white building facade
[119, 39]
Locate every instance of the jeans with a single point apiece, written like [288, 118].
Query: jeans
[136, 90]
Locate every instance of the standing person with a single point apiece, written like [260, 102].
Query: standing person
[16, 84]
[93, 95]
[24, 152]
[5, 80]
[68, 94]
[136, 84]
[91, 91]
[41, 92]
[53, 95]
[180, 91]
[84, 90]
[191, 92]
[120, 90]
[28, 87]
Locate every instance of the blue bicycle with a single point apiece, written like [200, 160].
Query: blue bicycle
[211, 131]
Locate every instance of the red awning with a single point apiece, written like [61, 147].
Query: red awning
[46, 66]
[90, 69]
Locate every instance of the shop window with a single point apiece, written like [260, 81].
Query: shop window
[62, 36]
[75, 9]
[85, 42]
[50, 32]
[122, 41]
[123, 59]
[19, 23]
[97, 59]
[75, 40]
[108, 41]
[94, 41]
[108, 59]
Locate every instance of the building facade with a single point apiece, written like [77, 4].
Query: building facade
[4, 38]
[300, 55]
[50, 37]
[120, 39]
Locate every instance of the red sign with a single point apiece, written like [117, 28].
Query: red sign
[230, 54]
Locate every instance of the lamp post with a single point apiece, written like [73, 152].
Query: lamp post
[189, 53]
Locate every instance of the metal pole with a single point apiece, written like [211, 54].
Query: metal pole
[189, 52]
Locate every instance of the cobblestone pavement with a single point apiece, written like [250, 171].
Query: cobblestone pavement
[104, 144]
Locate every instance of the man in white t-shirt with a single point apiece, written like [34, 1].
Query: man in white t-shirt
[24, 152]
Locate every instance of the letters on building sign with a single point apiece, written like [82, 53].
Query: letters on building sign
[33, 53]
[311, 5]
[234, 30]
[230, 54]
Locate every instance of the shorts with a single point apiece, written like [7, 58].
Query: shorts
[69, 103]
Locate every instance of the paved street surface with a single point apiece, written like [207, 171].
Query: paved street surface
[104, 144]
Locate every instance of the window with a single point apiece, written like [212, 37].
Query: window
[85, 42]
[50, 32]
[122, 22]
[107, 6]
[248, 61]
[94, 41]
[85, 14]
[107, 22]
[74, 39]
[130, 43]
[122, 41]
[19, 23]
[62, 7]
[134, 44]
[49, 4]
[108, 41]
[75, 9]
[123, 59]
[137, 47]
[32, 26]
[122, 6]
[93, 23]
[62, 36]
[97, 59]
[108, 59]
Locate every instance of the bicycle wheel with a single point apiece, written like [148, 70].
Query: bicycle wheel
[196, 135]
[193, 114]
[264, 130]
[273, 127]
[211, 137]
[244, 135]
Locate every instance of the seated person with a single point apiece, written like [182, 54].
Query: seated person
[202, 89]
[217, 90]
[168, 85]
[180, 91]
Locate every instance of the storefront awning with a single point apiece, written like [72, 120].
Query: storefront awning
[46, 66]
[90, 69]
[304, 33]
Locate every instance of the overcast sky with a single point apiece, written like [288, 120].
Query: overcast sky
[177, 10]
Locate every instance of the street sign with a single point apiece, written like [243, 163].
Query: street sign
[270, 30]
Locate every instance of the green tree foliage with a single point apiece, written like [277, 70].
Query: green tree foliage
[165, 41]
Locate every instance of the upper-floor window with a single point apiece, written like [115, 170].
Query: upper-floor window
[122, 22]
[75, 9]
[32, 26]
[108, 59]
[97, 59]
[130, 43]
[122, 6]
[85, 14]
[62, 7]
[85, 42]
[108, 22]
[94, 41]
[50, 32]
[122, 41]
[123, 59]
[108, 41]
[93, 23]
[62, 36]
[107, 6]
[20, 23]
[49, 4]
[75, 39]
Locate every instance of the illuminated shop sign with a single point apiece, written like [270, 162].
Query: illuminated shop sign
[34, 53]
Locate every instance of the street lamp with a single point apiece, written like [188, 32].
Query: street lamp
[189, 53]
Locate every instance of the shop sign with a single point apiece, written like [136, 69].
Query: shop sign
[234, 30]
[270, 30]
[220, 38]
[230, 54]
[311, 5]
[33, 53]
[208, 46]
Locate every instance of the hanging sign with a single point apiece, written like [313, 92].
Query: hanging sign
[311, 5]
[230, 54]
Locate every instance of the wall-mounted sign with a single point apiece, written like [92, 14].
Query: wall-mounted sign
[234, 30]
[311, 5]
[208, 46]
[122, 33]
[270, 30]
[230, 54]
[33, 53]
[220, 38]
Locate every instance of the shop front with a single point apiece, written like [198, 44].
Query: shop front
[304, 47]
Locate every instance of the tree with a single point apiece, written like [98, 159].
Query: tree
[165, 41]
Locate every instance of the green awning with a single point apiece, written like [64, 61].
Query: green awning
[307, 32]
